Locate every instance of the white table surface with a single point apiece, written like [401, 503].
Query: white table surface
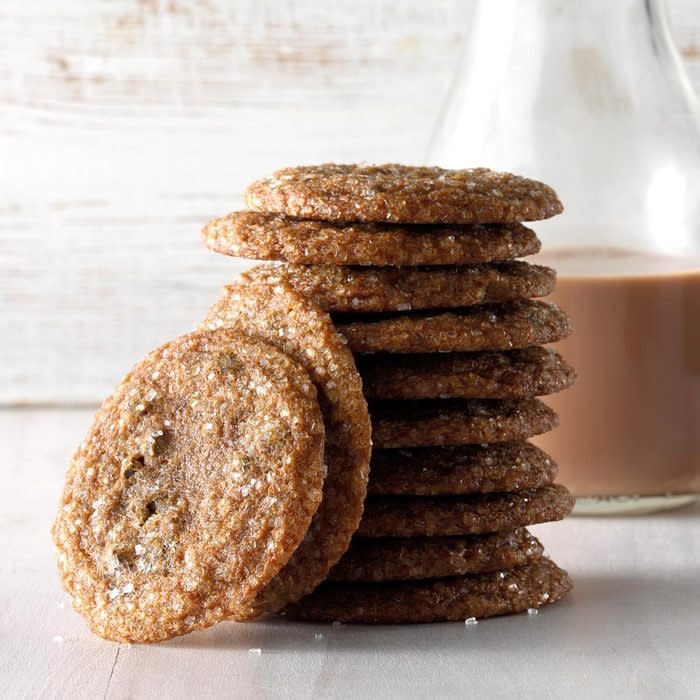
[631, 628]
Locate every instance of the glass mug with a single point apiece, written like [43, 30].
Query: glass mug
[592, 99]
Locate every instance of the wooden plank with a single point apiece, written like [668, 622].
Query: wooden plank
[125, 125]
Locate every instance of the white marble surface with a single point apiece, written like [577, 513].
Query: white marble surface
[630, 629]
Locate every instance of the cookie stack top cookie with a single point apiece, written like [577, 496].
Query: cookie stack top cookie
[385, 215]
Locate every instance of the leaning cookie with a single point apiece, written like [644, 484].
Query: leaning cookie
[415, 558]
[285, 318]
[195, 485]
[340, 288]
[458, 598]
[405, 194]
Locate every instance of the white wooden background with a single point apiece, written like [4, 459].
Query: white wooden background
[125, 124]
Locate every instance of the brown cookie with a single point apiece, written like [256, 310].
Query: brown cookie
[435, 557]
[250, 234]
[478, 596]
[458, 421]
[451, 471]
[197, 481]
[404, 516]
[505, 326]
[405, 194]
[294, 324]
[511, 374]
[341, 288]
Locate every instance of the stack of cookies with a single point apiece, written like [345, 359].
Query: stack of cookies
[232, 474]
[417, 269]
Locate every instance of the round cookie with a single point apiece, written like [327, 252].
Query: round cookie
[296, 326]
[452, 471]
[478, 596]
[251, 234]
[505, 326]
[394, 193]
[387, 516]
[196, 483]
[511, 374]
[340, 288]
[435, 557]
[458, 421]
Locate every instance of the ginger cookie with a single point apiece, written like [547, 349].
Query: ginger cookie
[435, 557]
[341, 288]
[505, 326]
[479, 596]
[196, 483]
[251, 234]
[404, 516]
[452, 471]
[512, 374]
[404, 194]
[285, 318]
[458, 421]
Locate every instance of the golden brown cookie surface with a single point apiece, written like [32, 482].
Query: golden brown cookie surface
[289, 321]
[394, 193]
[439, 422]
[478, 596]
[342, 288]
[404, 516]
[450, 471]
[435, 557]
[196, 483]
[505, 326]
[252, 234]
[510, 374]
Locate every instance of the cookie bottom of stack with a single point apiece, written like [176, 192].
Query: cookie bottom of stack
[448, 599]
[448, 557]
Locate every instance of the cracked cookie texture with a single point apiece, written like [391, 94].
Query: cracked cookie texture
[196, 483]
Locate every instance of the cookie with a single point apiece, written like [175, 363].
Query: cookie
[404, 516]
[250, 234]
[512, 324]
[196, 483]
[403, 194]
[451, 471]
[296, 326]
[512, 374]
[435, 557]
[369, 289]
[458, 421]
[459, 598]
